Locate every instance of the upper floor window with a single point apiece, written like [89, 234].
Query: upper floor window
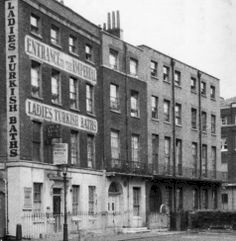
[224, 120]
[213, 158]
[193, 84]
[179, 156]
[178, 114]
[34, 24]
[213, 124]
[167, 151]
[134, 104]
[35, 79]
[224, 144]
[114, 97]
[194, 156]
[203, 88]
[154, 103]
[56, 87]
[115, 145]
[204, 121]
[113, 59]
[194, 118]
[167, 110]
[133, 66]
[89, 99]
[204, 160]
[74, 147]
[213, 92]
[166, 73]
[88, 52]
[72, 44]
[135, 148]
[55, 35]
[90, 151]
[73, 93]
[155, 150]
[177, 78]
[153, 68]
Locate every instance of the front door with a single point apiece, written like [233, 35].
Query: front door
[57, 208]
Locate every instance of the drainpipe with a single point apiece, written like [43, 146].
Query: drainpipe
[173, 127]
[200, 131]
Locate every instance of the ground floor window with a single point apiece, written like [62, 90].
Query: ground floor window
[92, 193]
[136, 200]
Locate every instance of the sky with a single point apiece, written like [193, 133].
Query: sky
[201, 33]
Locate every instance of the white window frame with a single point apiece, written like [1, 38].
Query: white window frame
[134, 104]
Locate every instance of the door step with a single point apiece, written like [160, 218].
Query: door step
[135, 230]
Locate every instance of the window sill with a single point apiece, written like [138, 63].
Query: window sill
[194, 129]
[178, 125]
[203, 95]
[204, 133]
[167, 82]
[167, 123]
[213, 99]
[91, 114]
[56, 45]
[115, 111]
[36, 97]
[154, 77]
[213, 134]
[90, 62]
[194, 92]
[135, 117]
[74, 54]
[38, 35]
[178, 86]
[56, 104]
[75, 109]
[155, 119]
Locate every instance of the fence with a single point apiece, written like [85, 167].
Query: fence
[45, 225]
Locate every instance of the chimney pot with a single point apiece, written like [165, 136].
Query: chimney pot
[109, 21]
[113, 20]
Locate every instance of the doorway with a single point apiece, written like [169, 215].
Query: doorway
[57, 209]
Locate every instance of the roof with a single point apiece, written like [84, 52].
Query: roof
[226, 103]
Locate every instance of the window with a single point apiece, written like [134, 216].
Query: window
[214, 198]
[37, 197]
[91, 199]
[90, 151]
[133, 67]
[153, 69]
[195, 199]
[167, 152]
[177, 78]
[72, 47]
[73, 93]
[114, 97]
[154, 102]
[37, 141]
[55, 87]
[74, 147]
[135, 148]
[178, 115]
[88, 52]
[134, 104]
[213, 124]
[204, 121]
[170, 198]
[194, 158]
[194, 118]
[179, 199]
[113, 59]
[204, 160]
[35, 79]
[89, 99]
[224, 144]
[203, 88]
[204, 198]
[224, 198]
[167, 110]
[166, 73]
[179, 156]
[224, 120]
[34, 24]
[115, 145]
[136, 200]
[155, 151]
[55, 35]
[75, 199]
[213, 92]
[193, 84]
[213, 160]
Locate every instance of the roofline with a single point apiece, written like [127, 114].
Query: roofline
[159, 52]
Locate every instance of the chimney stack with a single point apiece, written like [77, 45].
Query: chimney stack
[113, 24]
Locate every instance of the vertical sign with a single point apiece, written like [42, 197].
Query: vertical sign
[12, 79]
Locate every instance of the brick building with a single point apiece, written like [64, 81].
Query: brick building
[141, 128]
[228, 154]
